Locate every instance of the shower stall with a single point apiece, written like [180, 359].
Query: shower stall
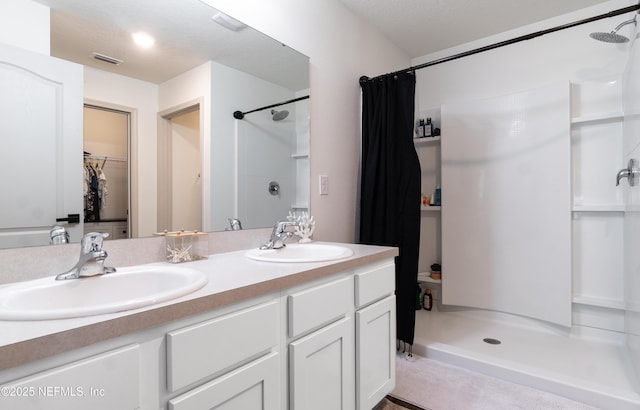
[540, 258]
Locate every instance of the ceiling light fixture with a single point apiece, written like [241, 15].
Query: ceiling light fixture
[143, 39]
[228, 22]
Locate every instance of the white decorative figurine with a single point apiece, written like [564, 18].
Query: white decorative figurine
[304, 226]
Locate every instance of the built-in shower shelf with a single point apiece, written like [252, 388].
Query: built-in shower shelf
[426, 140]
[598, 208]
[611, 116]
[426, 277]
[300, 156]
[600, 302]
[430, 208]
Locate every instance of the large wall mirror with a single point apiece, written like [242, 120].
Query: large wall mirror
[159, 122]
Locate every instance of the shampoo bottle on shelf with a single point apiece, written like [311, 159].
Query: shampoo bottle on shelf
[427, 300]
[437, 194]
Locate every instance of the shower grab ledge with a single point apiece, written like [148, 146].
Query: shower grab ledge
[597, 117]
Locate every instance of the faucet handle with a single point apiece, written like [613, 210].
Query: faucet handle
[92, 242]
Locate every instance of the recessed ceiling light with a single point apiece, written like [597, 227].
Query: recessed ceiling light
[143, 39]
[228, 22]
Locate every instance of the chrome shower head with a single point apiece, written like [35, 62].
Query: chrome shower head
[613, 37]
[279, 115]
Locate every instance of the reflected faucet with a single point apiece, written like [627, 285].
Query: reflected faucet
[279, 235]
[234, 224]
[91, 261]
[58, 235]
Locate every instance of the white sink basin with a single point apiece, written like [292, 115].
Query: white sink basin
[127, 288]
[308, 252]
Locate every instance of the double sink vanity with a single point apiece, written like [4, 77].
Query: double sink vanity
[306, 327]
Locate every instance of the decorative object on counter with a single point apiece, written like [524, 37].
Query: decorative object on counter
[424, 200]
[436, 271]
[186, 246]
[304, 226]
[427, 300]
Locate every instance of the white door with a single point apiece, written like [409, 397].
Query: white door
[322, 369]
[186, 181]
[41, 146]
[375, 352]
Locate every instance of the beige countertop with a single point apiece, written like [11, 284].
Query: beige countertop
[232, 278]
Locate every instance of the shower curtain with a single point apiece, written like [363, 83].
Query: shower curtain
[390, 185]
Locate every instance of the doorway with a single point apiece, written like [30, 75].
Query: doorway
[106, 193]
[180, 170]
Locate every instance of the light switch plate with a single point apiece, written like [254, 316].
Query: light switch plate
[324, 185]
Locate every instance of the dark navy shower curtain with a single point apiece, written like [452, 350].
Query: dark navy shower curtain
[390, 185]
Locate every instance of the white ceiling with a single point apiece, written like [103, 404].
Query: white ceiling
[421, 27]
[186, 37]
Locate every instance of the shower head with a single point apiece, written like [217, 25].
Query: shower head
[613, 37]
[279, 115]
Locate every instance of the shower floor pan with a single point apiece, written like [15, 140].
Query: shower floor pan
[585, 368]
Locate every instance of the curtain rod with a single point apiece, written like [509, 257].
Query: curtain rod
[613, 13]
[238, 115]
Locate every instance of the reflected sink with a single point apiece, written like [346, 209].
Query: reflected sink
[127, 288]
[308, 252]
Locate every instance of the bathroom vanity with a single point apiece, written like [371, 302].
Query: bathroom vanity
[258, 335]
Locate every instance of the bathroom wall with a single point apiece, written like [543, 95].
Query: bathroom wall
[25, 24]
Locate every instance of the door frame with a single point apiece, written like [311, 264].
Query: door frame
[165, 166]
[132, 155]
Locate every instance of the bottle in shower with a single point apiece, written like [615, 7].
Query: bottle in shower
[427, 300]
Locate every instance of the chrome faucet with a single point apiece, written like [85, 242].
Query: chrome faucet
[234, 224]
[279, 235]
[91, 260]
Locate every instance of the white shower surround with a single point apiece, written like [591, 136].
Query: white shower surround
[605, 369]
[506, 215]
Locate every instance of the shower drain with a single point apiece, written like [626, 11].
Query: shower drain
[491, 341]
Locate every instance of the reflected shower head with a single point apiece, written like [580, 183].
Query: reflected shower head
[279, 115]
[613, 37]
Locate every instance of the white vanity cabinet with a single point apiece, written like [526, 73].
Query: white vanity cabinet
[375, 333]
[321, 364]
[327, 343]
[213, 347]
[343, 364]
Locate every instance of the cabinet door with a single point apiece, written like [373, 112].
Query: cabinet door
[321, 373]
[103, 382]
[255, 386]
[375, 352]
